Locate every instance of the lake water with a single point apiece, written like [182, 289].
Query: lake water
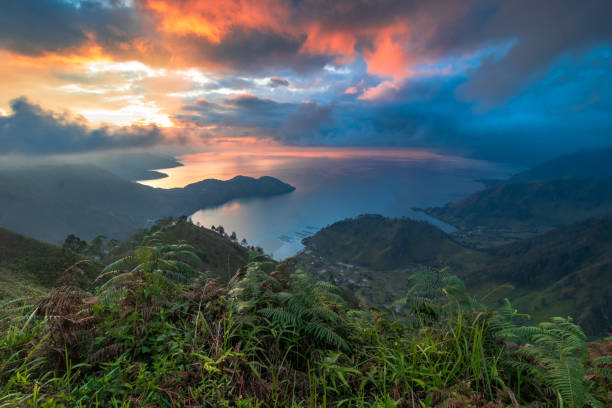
[331, 184]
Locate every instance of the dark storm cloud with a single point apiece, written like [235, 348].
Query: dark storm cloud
[30, 130]
[200, 105]
[544, 31]
[291, 123]
[541, 32]
[33, 27]
[251, 111]
[309, 123]
[252, 50]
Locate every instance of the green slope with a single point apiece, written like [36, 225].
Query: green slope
[30, 267]
[372, 257]
[220, 256]
[565, 272]
[383, 243]
[530, 207]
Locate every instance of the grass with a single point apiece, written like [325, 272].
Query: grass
[29, 267]
[273, 336]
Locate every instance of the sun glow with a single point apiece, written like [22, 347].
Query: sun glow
[135, 114]
[228, 157]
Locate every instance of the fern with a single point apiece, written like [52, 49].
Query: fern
[559, 347]
[434, 295]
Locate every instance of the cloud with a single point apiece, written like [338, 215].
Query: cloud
[397, 39]
[248, 116]
[544, 32]
[382, 91]
[31, 130]
[37, 27]
[479, 75]
[200, 105]
[275, 82]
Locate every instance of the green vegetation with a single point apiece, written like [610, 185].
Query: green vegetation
[29, 267]
[154, 330]
[380, 243]
[564, 272]
[219, 256]
[530, 207]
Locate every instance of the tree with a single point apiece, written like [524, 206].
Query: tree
[74, 243]
[97, 248]
[233, 236]
[220, 229]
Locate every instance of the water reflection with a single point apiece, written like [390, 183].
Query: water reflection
[332, 184]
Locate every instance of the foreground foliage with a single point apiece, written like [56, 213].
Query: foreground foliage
[156, 332]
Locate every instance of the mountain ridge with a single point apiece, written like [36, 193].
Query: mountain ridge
[49, 202]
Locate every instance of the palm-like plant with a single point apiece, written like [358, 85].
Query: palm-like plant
[434, 294]
[559, 348]
[156, 261]
[302, 305]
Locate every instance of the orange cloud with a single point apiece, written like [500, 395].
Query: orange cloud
[80, 56]
[334, 42]
[214, 20]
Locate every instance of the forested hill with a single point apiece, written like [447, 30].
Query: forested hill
[566, 271]
[595, 163]
[28, 266]
[530, 206]
[383, 243]
[50, 202]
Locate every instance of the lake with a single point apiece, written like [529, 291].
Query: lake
[331, 184]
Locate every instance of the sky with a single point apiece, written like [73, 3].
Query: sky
[510, 81]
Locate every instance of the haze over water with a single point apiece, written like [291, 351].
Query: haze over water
[331, 184]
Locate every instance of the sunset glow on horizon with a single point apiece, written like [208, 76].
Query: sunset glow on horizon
[258, 160]
[437, 74]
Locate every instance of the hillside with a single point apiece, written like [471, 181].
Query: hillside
[376, 242]
[50, 202]
[220, 257]
[30, 267]
[529, 207]
[160, 333]
[566, 271]
[595, 163]
[371, 257]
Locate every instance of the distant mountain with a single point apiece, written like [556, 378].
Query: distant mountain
[530, 207]
[49, 202]
[376, 242]
[28, 266]
[595, 163]
[566, 271]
